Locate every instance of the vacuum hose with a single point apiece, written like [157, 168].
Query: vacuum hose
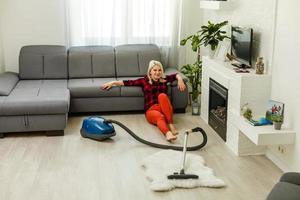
[162, 146]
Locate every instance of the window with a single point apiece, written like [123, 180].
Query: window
[114, 22]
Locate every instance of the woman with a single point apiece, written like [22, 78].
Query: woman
[158, 108]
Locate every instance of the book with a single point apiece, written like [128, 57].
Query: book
[260, 122]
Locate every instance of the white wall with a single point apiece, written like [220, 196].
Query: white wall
[285, 76]
[1, 55]
[256, 14]
[1, 47]
[30, 22]
[191, 22]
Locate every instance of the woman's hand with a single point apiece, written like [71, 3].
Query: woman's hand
[181, 85]
[107, 86]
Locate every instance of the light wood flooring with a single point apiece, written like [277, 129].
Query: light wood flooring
[36, 167]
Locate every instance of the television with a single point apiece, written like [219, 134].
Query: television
[241, 46]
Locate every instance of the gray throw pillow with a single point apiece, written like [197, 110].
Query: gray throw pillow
[8, 80]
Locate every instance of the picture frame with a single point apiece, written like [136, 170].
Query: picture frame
[275, 109]
[222, 50]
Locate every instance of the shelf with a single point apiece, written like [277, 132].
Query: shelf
[214, 5]
[264, 135]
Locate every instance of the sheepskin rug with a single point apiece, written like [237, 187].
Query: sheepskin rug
[161, 164]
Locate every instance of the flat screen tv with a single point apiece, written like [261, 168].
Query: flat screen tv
[241, 45]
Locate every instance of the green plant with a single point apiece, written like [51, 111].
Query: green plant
[247, 113]
[193, 73]
[207, 35]
[211, 34]
[277, 118]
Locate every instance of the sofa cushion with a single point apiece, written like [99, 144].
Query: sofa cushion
[131, 91]
[43, 62]
[91, 87]
[91, 61]
[171, 70]
[133, 60]
[36, 101]
[8, 80]
[42, 84]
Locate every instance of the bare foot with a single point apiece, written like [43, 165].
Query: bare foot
[170, 137]
[173, 129]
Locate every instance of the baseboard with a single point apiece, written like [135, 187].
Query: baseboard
[277, 161]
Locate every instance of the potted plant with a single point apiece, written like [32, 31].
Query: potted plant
[210, 34]
[277, 121]
[193, 73]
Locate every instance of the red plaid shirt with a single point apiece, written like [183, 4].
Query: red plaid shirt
[151, 92]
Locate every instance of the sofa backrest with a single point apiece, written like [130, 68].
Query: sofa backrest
[91, 61]
[54, 62]
[133, 59]
[43, 62]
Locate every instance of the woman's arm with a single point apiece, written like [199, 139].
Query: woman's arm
[181, 84]
[107, 86]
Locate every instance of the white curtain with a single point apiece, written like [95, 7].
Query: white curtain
[115, 22]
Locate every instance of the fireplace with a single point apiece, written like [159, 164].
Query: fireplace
[217, 112]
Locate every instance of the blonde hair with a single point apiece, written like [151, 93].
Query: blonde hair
[153, 63]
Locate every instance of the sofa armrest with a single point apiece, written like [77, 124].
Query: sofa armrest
[8, 81]
[172, 70]
[291, 177]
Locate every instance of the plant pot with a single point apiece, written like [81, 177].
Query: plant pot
[195, 108]
[277, 125]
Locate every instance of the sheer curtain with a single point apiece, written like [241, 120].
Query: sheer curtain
[115, 22]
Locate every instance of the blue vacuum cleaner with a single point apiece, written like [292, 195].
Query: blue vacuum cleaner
[98, 128]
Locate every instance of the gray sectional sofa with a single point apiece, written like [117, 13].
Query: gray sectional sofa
[53, 82]
[288, 187]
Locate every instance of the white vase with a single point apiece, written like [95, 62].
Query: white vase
[195, 108]
[196, 105]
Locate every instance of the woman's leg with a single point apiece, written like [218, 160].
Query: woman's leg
[157, 118]
[167, 109]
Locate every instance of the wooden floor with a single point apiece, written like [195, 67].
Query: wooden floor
[71, 167]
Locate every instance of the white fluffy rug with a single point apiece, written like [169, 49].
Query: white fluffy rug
[161, 164]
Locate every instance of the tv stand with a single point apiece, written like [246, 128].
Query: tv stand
[240, 65]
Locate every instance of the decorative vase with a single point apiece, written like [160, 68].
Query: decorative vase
[195, 108]
[259, 66]
[277, 125]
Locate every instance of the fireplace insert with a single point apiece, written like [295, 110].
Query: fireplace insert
[217, 116]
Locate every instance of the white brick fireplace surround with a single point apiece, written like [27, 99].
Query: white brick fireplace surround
[241, 137]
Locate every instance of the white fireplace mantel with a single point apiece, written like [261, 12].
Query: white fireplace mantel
[242, 138]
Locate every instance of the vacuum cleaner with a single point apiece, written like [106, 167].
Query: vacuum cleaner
[98, 128]
[182, 174]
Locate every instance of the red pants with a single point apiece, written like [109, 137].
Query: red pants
[161, 114]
